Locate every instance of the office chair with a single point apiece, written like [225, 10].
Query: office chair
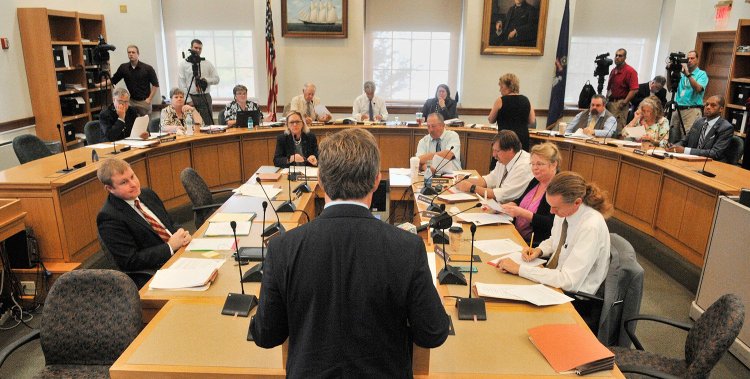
[708, 339]
[139, 277]
[222, 119]
[734, 151]
[619, 297]
[154, 125]
[200, 195]
[93, 133]
[29, 147]
[89, 318]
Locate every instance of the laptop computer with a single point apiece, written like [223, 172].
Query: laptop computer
[242, 117]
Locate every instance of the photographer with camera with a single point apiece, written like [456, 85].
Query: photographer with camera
[140, 79]
[196, 76]
[622, 86]
[690, 89]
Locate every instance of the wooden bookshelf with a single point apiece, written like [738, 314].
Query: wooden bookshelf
[43, 30]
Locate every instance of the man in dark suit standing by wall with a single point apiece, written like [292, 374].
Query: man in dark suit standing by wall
[710, 134]
[349, 291]
[133, 222]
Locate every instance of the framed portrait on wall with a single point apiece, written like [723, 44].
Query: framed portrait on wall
[514, 27]
[314, 18]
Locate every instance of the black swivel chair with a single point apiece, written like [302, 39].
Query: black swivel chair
[222, 119]
[89, 318]
[29, 147]
[200, 195]
[139, 277]
[154, 125]
[93, 133]
[734, 151]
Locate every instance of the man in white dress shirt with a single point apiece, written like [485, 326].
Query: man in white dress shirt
[306, 105]
[441, 143]
[368, 107]
[200, 86]
[511, 174]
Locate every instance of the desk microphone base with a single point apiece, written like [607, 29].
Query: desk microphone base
[273, 229]
[255, 274]
[286, 207]
[471, 308]
[239, 304]
[451, 275]
[302, 188]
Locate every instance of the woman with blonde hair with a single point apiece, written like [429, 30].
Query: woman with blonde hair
[511, 110]
[297, 145]
[578, 249]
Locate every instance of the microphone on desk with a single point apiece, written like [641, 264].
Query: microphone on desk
[441, 207]
[65, 154]
[255, 274]
[427, 188]
[443, 162]
[303, 187]
[293, 175]
[471, 308]
[276, 227]
[444, 221]
[238, 304]
[287, 206]
[449, 274]
[703, 170]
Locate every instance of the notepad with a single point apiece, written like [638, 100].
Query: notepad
[193, 274]
[457, 197]
[498, 246]
[579, 134]
[571, 348]
[228, 217]
[207, 244]
[216, 229]
[537, 294]
[254, 190]
[516, 257]
[480, 219]
[140, 126]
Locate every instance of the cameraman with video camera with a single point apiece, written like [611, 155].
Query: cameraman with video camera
[196, 76]
[690, 90]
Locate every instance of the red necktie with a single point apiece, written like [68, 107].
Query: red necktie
[154, 224]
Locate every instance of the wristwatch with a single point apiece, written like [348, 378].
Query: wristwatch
[473, 188]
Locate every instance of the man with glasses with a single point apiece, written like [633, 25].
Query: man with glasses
[309, 105]
[622, 87]
[596, 121]
[116, 121]
[511, 174]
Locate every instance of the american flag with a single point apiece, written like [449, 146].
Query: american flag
[273, 88]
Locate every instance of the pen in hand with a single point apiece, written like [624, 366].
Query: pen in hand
[530, 251]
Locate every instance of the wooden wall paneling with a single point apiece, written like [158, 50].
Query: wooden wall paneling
[140, 170]
[254, 155]
[45, 226]
[582, 163]
[77, 224]
[627, 190]
[647, 195]
[160, 179]
[478, 154]
[565, 154]
[604, 174]
[394, 150]
[230, 167]
[206, 163]
[698, 206]
[180, 161]
[671, 207]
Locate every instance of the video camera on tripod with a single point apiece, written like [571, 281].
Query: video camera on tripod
[193, 57]
[101, 51]
[602, 69]
[674, 69]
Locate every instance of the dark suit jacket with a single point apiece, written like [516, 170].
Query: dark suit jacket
[112, 128]
[351, 293]
[716, 141]
[644, 91]
[431, 106]
[541, 221]
[130, 239]
[285, 148]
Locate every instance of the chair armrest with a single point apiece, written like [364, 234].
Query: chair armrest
[661, 320]
[584, 295]
[646, 371]
[214, 192]
[209, 206]
[8, 350]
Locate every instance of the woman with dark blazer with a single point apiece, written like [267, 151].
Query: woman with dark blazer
[298, 144]
[441, 103]
[530, 211]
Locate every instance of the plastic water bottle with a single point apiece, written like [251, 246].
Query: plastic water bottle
[414, 168]
[250, 123]
[189, 124]
[428, 174]
[397, 121]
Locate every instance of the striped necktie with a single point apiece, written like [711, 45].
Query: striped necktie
[154, 224]
[552, 264]
[370, 112]
[438, 148]
[702, 138]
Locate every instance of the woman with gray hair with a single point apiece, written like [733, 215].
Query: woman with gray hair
[651, 117]
[239, 104]
[173, 116]
[297, 145]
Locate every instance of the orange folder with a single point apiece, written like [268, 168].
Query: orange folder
[568, 347]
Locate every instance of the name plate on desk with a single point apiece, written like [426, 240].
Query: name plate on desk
[424, 199]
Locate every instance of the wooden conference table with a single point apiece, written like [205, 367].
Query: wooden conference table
[189, 338]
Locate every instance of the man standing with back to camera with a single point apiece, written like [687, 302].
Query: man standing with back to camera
[351, 292]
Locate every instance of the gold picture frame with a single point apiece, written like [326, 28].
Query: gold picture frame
[314, 19]
[508, 27]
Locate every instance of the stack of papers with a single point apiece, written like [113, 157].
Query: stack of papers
[579, 134]
[571, 348]
[635, 132]
[140, 126]
[308, 171]
[208, 244]
[623, 143]
[224, 229]
[254, 190]
[498, 247]
[480, 219]
[459, 197]
[192, 274]
[140, 144]
[228, 217]
[538, 294]
[103, 145]
[516, 257]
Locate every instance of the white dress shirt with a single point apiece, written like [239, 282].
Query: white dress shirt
[151, 214]
[518, 178]
[449, 138]
[362, 107]
[584, 258]
[185, 75]
[299, 104]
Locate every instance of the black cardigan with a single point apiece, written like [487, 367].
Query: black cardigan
[431, 106]
[541, 221]
[285, 148]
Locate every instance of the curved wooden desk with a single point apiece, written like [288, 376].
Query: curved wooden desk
[663, 198]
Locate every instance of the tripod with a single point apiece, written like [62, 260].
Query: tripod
[600, 85]
[207, 116]
[670, 107]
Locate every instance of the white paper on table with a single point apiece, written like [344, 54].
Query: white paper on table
[103, 145]
[190, 274]
[497, 291]
[540, 295]
[516, 257]
[433, 267]
[140, 126]
[456, 197]
[442, 166]
[400, 171]
[224, 229]
[579, 134]
[498, 246]
[139, 143]
[254, 190]
[465, 173]
[636, 132]
[188, 263]
[206, 244]
[321, 110]
[480, 219]
[311, 171]
[228, 217]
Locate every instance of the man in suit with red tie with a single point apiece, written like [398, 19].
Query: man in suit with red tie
[710, 134]
[133, 222]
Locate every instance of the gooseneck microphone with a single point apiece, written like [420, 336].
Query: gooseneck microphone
[703, 170]
[427, 189]
[64, 150]
[303, 187]
[238, 304]
[471, 308]
[255, 274]
[287, 206]
[276, 227]
[444, 221]
[440, 208]
[443, 162]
